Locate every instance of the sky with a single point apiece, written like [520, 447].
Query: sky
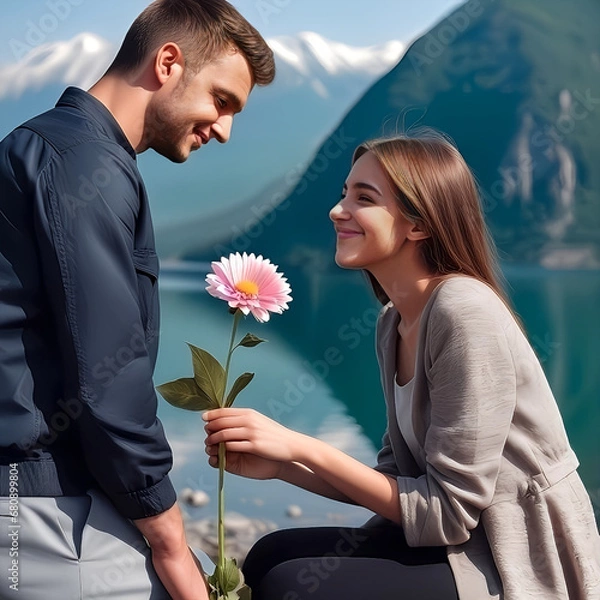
[31, 23]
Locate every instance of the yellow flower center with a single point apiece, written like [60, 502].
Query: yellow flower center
[247, 287]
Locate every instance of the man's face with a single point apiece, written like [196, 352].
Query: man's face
[184, 115]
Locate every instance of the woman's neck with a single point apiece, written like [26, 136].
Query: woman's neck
[409, 294]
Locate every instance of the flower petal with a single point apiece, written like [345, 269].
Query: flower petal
[273, 289]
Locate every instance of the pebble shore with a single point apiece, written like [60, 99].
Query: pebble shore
[241, 532]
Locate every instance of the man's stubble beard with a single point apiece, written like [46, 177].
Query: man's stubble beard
[166, 130]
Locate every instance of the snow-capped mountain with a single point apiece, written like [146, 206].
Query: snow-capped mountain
[309, 58]
[79, 61]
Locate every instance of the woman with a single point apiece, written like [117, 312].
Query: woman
[475, 461]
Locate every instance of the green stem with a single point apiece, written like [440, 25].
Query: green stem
[222, 463]
[236, 321]
[221, 507]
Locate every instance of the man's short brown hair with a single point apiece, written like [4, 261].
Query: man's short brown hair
[203, 29]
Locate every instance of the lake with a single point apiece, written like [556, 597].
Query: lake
[318, 374]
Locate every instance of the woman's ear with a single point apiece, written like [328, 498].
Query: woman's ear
[169, 62]
[416, 233]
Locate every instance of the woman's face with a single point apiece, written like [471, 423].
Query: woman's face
[371, 230]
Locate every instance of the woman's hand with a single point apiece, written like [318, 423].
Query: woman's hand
[259, 447]
[246, 465]
[256, 446]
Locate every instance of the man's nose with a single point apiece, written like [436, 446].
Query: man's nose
[222, 129]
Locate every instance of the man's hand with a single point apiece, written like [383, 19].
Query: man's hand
[176, 566]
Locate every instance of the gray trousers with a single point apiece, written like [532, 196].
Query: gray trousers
[73, 548]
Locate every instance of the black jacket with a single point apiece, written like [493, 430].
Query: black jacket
[79, 313]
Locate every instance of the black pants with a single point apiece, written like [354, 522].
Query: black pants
[325, 563]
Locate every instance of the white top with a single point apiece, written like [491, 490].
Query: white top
[404, 401]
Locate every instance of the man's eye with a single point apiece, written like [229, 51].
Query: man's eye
[222, 102]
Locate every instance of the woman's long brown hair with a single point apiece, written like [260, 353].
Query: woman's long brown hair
[436, 189]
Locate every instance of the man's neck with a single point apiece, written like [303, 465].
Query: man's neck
[127, 103]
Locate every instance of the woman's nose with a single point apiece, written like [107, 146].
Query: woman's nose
[337, 212]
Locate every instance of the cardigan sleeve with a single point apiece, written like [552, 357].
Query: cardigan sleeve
[386, 462]
[472, 393]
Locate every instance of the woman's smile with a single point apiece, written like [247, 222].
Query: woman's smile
[345, 233]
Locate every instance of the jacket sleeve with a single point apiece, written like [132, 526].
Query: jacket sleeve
[472, 393]
[86, 212]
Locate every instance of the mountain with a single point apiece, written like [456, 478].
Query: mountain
[307, 59]
[317, 81]
[79, 61]
[310, 59]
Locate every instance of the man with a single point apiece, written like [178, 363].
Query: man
[83, 457]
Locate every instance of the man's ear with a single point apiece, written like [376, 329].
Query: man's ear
[416, 233]
[169, 62]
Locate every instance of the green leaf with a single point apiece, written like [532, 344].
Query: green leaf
[185, 393]
[240, 383]
[212, 580]
[209, 374]
[250, 340]
[228, 578]
[240, 592]
[215, 595]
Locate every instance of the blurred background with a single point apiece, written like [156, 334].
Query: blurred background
[516, 84]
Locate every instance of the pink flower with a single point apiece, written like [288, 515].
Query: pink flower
[250, 283]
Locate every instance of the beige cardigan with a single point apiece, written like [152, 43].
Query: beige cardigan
[495, 480]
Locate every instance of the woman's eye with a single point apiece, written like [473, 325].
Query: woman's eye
[365, 199]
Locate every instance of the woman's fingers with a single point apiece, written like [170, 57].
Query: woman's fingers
[229, 434]
[225, 423]
[248, 431]
[222, 418]
[236, 439]
[212, 450]
[218, 413]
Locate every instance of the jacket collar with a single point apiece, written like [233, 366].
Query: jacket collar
[96, 111]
